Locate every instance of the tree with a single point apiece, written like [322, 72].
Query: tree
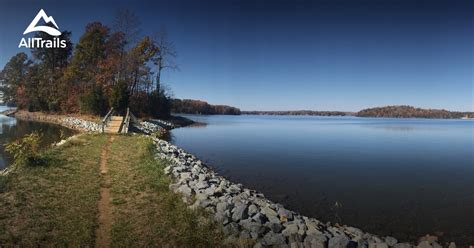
[138, 59]
[119, 97]
[52, 63]
[165, 57]
[89, 51]
[13, 77]
[128, 23]
[53, 58]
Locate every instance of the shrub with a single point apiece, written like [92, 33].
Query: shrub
[25, 151]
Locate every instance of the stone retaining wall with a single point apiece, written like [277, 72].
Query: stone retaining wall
[245, 213]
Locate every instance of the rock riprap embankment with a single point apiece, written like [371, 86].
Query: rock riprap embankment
[149, 127]
[81, 124]
[247, 214]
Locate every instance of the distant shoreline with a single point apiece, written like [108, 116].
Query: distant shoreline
[396, 111]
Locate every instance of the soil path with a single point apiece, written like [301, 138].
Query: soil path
[104, 206]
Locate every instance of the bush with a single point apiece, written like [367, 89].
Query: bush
[25, 151]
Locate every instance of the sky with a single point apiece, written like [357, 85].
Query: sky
[292, 55]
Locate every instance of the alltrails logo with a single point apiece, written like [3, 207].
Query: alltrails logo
[38, 42]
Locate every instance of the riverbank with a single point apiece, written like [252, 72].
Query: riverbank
[84, 123]
[89, 123]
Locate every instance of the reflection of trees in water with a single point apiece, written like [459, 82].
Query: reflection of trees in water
[198, 125]
[168, 136]
[51, 134]
[398, 128]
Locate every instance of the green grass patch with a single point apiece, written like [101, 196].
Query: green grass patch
[147, 213]
[56, 204]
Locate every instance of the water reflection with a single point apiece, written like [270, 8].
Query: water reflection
[11, 129]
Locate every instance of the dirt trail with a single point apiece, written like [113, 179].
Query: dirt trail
[105, 212]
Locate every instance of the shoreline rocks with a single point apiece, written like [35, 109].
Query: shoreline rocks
[247, 214]
[76, 123]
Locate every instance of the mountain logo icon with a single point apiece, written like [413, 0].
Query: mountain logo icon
[47, 29]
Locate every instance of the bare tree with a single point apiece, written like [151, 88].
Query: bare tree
[128, 23]
[165, 57]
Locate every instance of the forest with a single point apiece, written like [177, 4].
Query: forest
[403, 111]
[188, 106]
[108, 67]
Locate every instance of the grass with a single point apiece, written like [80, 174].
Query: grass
[54, 204]
[57, 204]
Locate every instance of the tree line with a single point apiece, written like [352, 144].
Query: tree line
[404, 111]
[297, 112]
[188, 106]
[108, 67]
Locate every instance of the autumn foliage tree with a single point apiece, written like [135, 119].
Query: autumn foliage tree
[104, 69]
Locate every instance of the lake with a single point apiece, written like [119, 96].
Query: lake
[399, 177]
[12, 129]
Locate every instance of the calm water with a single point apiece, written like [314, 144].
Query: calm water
[12, 129]
[400, 177]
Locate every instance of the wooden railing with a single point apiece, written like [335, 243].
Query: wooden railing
[125, 122]
[107, 118]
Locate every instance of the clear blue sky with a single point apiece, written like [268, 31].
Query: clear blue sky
[285, 55]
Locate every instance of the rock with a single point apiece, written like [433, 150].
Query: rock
[221, 207]
[403, 245]
[312, 228]
[202, 185]
[256, 230]
[335, 231]
[362, 243]
[185, 190]
[424, 244]
[240, 212]
[339, 241]
[315, 241]
[204, 203]
[285, 215]
[275, 227]
[378, 245]
[234, 189]
[258, 245]
[436, 245]
[201, 196]
[245, 235]
[452, 245]
[354, 232]
[302, 229]
[290, 229]
[252, 210]
[391, 241]
[429, 238]
[296, 244]
[273, 239]
[259, 218]
[210, 191]
[231, 229]
[352, 244]
[269, 212]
